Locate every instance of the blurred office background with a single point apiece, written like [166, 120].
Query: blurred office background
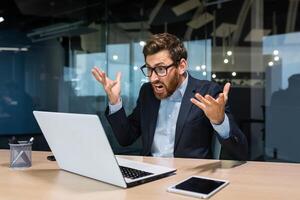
[48, 47]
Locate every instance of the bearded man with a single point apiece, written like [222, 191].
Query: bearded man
[176, 115]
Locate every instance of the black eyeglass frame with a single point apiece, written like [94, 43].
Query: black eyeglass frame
[154, 69]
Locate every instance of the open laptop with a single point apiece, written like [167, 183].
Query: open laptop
[80, 145]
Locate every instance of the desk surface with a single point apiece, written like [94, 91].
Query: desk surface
[251, 180]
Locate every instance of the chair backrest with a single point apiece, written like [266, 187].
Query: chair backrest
[216, 147]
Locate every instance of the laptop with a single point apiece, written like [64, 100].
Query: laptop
[80, 146]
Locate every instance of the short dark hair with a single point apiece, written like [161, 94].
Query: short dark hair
[165, 41]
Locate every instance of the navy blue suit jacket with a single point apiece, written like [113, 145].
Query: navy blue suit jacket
[194, 131]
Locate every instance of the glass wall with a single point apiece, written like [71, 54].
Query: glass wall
[48, 48]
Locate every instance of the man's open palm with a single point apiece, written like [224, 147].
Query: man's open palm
[213, 108]
[111, 87]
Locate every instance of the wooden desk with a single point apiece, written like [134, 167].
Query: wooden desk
[252, 180]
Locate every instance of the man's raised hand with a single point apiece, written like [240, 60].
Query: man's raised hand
[213, 108]
[111, 87]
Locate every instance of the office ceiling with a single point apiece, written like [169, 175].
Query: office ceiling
[158, 15]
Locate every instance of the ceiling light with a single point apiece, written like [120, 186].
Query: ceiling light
[23, 49]
[270, 64]
[1, 19]
[204, 73]
[233, 73]
[229, 53]
[276, 58]
[224, 30]
[185, 7]
[200, 21]
[59, 30]
[142, 43]
[135, 68]
[203, 67]
[256, 35]
[13, 49]
[226, 60]
[198, 68]
[115, 57]
[275, 52]
[214, 76]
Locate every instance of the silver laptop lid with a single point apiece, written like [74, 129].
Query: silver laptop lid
[80, 145]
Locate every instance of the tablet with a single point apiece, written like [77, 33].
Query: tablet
[198, 186]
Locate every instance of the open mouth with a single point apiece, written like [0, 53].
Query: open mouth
[159, 88]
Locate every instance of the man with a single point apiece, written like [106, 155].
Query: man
[176, 114]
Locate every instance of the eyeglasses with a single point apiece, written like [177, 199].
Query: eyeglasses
[159, 70]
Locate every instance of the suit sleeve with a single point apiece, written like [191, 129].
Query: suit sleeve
[236, 144]
[126, 129]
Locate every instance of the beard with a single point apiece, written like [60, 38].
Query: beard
[165, 89]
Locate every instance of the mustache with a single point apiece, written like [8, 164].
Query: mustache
[156, 82]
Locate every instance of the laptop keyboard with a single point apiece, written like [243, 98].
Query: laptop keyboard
[133, 173]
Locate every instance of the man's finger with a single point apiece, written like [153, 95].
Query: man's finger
[211, 99]
[113, 84]
[221, 99]
[96, 75]
[118, 79]
[103, 76]
[202, 99]
[226, 90]
[198, 103]
[97, 72]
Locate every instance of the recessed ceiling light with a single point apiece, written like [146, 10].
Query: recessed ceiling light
[270, 64]
[276, 58]
[275, 52]
[142, 43]
[135, 68]
[115, 57]
[229, 53]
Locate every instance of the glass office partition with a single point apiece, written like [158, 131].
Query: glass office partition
[282, 93]
[199, 58]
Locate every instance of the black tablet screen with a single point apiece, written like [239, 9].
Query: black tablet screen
[199, 185]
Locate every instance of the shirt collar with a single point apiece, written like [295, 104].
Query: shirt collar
[179, 92]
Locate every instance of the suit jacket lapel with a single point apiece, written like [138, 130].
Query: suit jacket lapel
[185, 108]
